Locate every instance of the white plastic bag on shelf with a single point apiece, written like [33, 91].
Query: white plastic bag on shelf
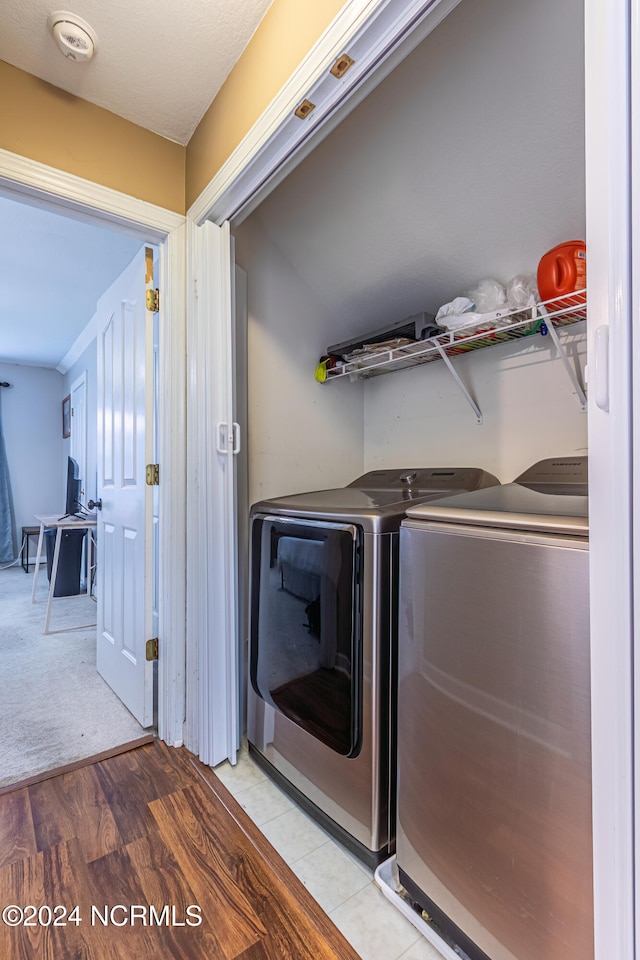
[455, 308]
[461, 314]
[489, 304]
[459, 321]
[488, 296]
[522, 292]
[471, 320]
[458, 313]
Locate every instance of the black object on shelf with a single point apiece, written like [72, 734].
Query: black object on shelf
[69, 561]
[417, 327]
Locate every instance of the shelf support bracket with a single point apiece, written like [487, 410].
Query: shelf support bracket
[454, 373]
[562, 353]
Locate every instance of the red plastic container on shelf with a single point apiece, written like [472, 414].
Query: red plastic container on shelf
[563, 270]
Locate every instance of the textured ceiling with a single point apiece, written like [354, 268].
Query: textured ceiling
[158, 64]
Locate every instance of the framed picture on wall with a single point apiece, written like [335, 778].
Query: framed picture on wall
[66, 416]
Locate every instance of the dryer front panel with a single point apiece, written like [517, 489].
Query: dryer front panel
[306, 624]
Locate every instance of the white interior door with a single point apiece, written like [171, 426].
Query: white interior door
[125, 436]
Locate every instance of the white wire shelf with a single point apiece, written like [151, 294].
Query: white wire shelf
[559, 312]
[538, 320]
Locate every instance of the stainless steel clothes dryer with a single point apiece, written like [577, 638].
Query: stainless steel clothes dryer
[494, 759]
[322, 656]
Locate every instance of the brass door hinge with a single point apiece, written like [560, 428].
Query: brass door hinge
[153, 474]
[152, 649]
[153, 300]
[148, 259]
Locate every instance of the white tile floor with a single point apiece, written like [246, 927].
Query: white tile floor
[342, 885]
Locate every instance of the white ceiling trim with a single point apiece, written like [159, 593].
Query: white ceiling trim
[75, 194]
[378, 34]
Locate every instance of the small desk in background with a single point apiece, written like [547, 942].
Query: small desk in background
[27, 533]
[59, 524]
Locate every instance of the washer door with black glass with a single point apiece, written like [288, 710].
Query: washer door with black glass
[305, 623]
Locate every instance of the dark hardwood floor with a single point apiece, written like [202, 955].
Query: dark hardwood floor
[146, 844]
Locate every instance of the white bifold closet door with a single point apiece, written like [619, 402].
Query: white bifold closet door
[213, 443]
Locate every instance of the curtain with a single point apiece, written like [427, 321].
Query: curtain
[7, 522]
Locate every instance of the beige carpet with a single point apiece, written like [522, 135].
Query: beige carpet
[54, 707]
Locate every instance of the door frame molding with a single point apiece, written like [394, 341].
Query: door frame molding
[80, 382]
[72, 196]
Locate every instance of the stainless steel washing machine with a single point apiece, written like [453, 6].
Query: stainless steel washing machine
[494, 761]
[322, 654]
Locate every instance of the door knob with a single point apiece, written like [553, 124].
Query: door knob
[95, 504]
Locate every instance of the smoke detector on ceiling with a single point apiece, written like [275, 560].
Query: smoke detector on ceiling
[74, 36]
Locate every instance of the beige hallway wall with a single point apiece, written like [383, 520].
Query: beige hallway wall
[43, 123]
[284, 37]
